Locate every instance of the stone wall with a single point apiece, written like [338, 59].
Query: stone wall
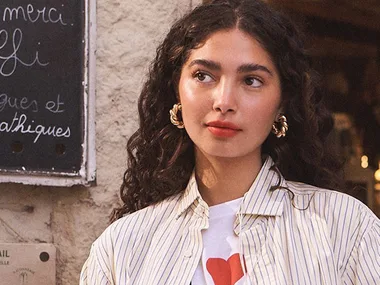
[71, 218]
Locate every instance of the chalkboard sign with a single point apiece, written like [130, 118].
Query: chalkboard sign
[43, 81]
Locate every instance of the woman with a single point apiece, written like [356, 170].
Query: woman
[209, 194]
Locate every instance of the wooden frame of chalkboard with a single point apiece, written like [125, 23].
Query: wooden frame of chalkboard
[47, 92]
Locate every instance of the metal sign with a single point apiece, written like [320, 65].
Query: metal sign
[27, 264]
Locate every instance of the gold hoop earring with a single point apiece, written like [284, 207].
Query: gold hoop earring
[174, 118]
[280, 127]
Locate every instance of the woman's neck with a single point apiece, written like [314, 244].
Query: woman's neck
[224, 179]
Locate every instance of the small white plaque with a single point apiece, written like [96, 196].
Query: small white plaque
[27, 264]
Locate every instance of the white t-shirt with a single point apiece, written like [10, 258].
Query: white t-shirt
[220, 263]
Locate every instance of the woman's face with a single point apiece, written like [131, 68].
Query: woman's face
[230, 94]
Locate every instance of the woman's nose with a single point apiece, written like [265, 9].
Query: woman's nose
[225, 97]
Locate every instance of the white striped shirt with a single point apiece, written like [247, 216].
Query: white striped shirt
[319, 237]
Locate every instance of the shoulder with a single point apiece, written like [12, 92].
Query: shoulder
[343, 226]
[117, 246]
[328, 197]
[124, 234]
[134, 224]
[336, 208]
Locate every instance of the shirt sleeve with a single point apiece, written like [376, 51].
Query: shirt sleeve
[369, 256]
[364, 264]
[92, 272]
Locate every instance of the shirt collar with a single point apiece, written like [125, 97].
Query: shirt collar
[189, 196]
[258, 200]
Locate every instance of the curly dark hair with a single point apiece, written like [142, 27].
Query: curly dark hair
[161, 156]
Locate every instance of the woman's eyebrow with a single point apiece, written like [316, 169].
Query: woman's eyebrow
[249, 67]
[253, 67]
[206, 63]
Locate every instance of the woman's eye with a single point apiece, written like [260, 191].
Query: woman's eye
[203, 77]
[253, 82]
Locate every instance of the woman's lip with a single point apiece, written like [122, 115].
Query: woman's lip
[223, 129]
[222, 132]
[223, 125]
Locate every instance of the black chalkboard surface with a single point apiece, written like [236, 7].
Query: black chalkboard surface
[41, 85]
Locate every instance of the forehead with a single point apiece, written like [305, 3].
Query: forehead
[232, 47]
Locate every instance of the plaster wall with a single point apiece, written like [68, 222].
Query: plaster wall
[71, 218]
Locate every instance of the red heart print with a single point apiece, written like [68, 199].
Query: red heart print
[225, 272]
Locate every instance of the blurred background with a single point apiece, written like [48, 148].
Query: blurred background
[344, 41]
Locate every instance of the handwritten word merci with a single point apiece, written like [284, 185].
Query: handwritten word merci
[30, 14]
[19, 124]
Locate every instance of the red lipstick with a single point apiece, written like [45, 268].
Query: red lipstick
[223, 129]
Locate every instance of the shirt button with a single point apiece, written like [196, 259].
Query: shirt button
[188, 253]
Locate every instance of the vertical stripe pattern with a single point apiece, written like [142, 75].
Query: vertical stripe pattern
[319, 237]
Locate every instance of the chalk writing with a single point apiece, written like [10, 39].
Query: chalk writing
[20, 104]
[10, 62]
[32, 15]
[25, 104]
[54, 106]
[20, 124]
[42, 64]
